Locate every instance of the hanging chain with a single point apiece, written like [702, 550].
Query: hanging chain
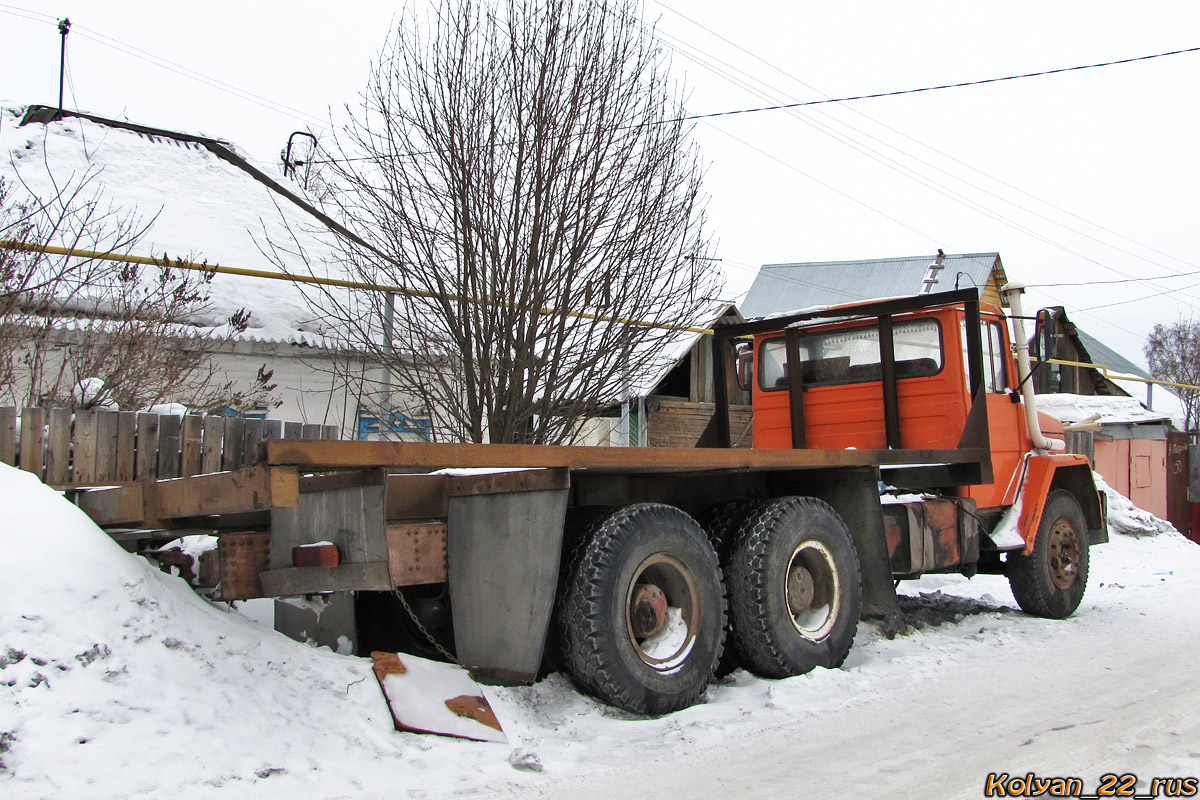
[413, 616]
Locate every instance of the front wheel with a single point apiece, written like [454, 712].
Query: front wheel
[1049, 582]
[794, 588]
[642, 614]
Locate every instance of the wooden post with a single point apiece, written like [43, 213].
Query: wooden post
[8, 436]
[58, 450]
[193, 429]
[169, 429]
[311, 431]
[252, 434]
[273, 429]
[147, 446]
[106, 446]
[33, 437]
[293, 430]
[83, 465]
[214, 436]
[126, 445]
[231, 454]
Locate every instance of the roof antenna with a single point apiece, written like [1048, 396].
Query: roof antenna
[931, 277]
[64, 27]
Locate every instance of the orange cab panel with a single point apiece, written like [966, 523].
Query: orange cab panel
[843, 395]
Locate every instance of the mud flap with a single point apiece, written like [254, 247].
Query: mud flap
[434, 697]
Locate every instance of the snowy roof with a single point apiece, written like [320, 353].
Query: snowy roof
[212, 204]
[1112, 410]
[779, 287]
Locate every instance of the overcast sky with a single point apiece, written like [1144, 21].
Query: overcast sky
[1087, 177]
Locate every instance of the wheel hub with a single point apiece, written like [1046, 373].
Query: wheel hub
[800, 591]
[813, 590]
[662, 612]
[648, 611]
[1064, 554]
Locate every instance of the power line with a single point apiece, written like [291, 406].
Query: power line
[960, 85]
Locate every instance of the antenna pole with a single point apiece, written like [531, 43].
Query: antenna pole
[64, 27]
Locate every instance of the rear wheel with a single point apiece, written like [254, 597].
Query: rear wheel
[1050, 581]
[642, 614]
[794, 588]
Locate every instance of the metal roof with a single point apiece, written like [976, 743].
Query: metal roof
[1106, 356]
[782, 287]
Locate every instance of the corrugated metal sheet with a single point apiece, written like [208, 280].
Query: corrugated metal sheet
[1106, 356]
[784, 287]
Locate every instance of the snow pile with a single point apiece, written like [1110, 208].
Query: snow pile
[1124, 517]
[116, 676]
[1112, 410]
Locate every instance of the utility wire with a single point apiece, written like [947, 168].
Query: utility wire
[897, 93]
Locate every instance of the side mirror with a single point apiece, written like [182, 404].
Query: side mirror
[745, 366]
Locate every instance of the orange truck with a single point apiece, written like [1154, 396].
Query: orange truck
[891, 439]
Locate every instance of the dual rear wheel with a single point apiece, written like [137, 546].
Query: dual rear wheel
[643, 612]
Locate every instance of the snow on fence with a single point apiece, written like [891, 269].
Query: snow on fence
[98, 446]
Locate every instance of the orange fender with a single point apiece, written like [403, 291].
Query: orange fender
[1039, 477]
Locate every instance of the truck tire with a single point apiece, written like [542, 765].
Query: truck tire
[794, 588]
[721, 523]
[642, 615]
[1050, 581]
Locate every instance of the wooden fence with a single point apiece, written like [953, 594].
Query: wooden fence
[101, 447]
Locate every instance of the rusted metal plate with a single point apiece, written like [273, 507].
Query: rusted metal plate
[242, 557]
[424, 455]
[941, 534]
[417, 496]
[417, 553]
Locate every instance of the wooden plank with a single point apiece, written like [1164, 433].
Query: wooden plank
[218, 493]
[430, 456]
[8, 436]
[83, 462]
[126, 445]
[147, 446]
[106, 446]
[311, 431]
[293, 430]
[58, 446]
[241, 558]
[193, 445]
[214, 435]
[120, 505]
[530, 480]
[417, 553]
[272, 429]
[231, 444]
[289, 581]
[170, 428]
[252, 435]
[331, 432]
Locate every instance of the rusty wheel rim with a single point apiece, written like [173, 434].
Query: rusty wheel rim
[662, 612]
[813, 590]
[1063, 554]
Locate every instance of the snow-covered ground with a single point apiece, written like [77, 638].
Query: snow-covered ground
[116, 680]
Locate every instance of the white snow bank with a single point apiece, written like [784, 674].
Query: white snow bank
[1124, 517]
[117, 680]
[1075, 407]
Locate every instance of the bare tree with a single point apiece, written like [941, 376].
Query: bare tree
[1173, 352]
[520, 173]
[145, 333]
